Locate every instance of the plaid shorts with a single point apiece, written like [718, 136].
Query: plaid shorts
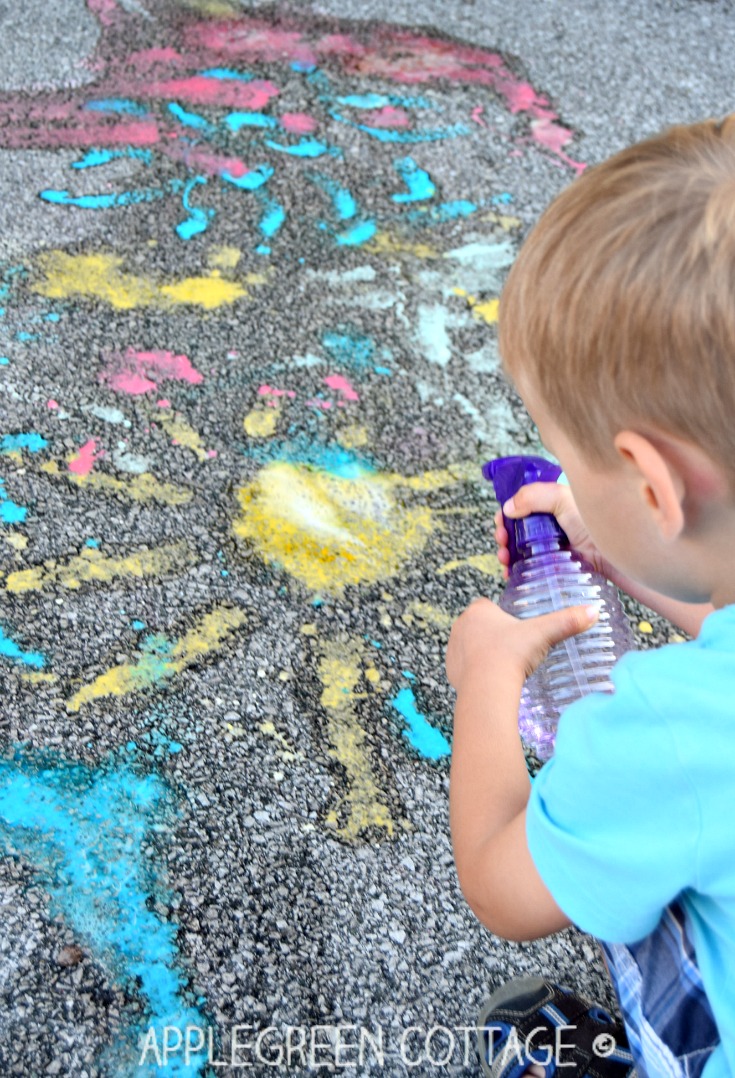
[667, 1015]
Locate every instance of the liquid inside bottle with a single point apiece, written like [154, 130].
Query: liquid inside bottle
[546, 575]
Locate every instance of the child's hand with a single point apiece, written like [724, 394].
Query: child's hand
[485, 636]
[552, 498]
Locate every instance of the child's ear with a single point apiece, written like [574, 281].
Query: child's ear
[660, 482]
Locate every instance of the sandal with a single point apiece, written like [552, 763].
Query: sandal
[531, 1021]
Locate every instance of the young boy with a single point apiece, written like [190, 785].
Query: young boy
[617, 326]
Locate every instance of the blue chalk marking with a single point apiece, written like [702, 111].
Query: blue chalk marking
[429, 741]
[387, 134]
[138, 625]
[380, 101]
[199, 218]
[236, 120]
[190, 119]
[226, 73]
[349, 349]
[358, 234]
[118, 104]
[34, 443]
[502, 200]
[251, 181]
[445, 211]
[382, 370]
[106, 202]
[418, 182]
[10, 513]
[9, 649]
[93, 543]
[303, 66]
[306, 148]
[273, 217]
[102, 157]
[4, 361]
[52, 316]
[262, 249]
[26, 337]
[83, 831]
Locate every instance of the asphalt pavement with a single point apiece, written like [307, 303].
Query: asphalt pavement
[250, 257]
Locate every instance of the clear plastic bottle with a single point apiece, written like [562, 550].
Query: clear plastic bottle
[545, 575]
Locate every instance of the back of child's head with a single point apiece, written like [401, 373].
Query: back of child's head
[620, 308]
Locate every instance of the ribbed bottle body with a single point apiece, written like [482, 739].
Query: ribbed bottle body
[551, 580]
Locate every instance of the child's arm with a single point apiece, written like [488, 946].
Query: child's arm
[489, 656]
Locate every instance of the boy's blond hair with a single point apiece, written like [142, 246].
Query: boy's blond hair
[619, 311]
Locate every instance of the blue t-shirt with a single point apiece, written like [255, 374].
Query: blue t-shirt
[637, 808]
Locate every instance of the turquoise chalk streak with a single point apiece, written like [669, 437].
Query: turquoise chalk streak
[236, 120]
[418, 182]
[118, 104]
[251, 181]
[309, 148]
[83, 832]
[226, 73]
[10, 650]
[198, 219]
[190, 119]
[34, 443]
[429, 741]
[101, 157]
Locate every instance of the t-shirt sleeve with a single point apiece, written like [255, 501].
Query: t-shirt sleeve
[613, 822]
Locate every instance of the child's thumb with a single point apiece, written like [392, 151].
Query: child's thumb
[561, 624]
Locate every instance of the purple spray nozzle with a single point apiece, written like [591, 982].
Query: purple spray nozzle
[508, 475]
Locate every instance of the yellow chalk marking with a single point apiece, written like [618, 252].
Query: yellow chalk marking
[224, 257]
[309, 630]
[645, 627]
[506, 221]
[353, 436]
[436, 480]
[261, 422]
[16, 540]
[289, 752]
[677, 638]
[387, 243]
[39, 678]
[432, 615]
[140, 488]
[372, 675]
[92, 566]
[486, 309]
[329, 531]
[484, 563]
[100, 276]
[364, 804]
[178, 429]
[206, 637]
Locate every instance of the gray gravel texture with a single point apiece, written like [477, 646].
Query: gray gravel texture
[231, 841]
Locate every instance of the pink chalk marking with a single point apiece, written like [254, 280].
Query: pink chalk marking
[270, 391]
[163, 403]
[83, 462]
[201, 90]
[233, 355]
[211, 453]
[340, 383]
[51, 119]
[52, 404]
[104, 10]
[140, 372]
[298, 123]
[388, 117]
[250, 38]
[318, 403]
[202, 161]
[476, 115]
